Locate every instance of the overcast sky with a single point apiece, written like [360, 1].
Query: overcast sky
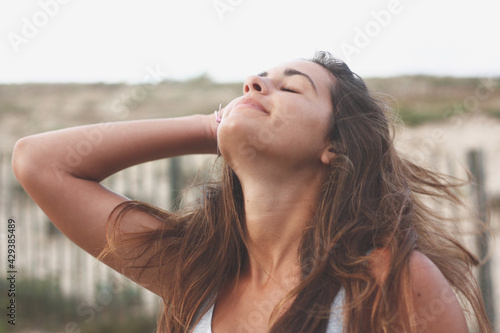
[115, 41]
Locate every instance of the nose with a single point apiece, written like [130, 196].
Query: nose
[255, 84]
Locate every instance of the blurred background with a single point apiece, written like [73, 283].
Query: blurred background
[68, 62]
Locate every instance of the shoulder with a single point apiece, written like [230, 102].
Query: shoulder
[434, 301]
[436, 307]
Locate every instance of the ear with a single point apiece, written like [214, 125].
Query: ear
[328, 155]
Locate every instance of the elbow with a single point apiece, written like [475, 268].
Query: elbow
[24, 160]
[20, 158]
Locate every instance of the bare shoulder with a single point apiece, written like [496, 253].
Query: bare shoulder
[436, 307]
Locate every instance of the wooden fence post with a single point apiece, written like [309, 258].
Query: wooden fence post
[476, 166]
[175, 183]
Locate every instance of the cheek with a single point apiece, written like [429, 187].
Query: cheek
[307, 141]
[312, 128]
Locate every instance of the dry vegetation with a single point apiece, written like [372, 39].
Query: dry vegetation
[32, 108]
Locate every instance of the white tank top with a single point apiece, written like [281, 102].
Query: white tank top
[334, 323]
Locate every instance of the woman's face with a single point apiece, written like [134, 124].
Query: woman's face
[283, 116]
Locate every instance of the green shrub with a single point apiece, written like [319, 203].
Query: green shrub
[41, 305]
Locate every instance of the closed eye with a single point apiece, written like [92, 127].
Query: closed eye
[289, 90]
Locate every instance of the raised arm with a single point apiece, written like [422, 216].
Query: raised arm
[62, 170]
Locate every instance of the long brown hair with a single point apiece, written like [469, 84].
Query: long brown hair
[372, 198]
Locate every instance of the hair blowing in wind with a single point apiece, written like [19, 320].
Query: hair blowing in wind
[372, 198]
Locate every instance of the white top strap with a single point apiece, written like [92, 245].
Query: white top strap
[334, 324]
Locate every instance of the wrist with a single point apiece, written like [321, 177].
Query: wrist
[210, 126]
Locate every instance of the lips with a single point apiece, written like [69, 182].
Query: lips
[252, 103]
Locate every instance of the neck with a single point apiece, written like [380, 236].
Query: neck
[277, 211]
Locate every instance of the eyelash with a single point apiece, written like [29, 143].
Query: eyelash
[289, 90]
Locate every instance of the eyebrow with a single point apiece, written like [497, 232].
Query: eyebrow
[292, 72]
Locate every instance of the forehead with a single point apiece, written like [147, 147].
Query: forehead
[322, 78]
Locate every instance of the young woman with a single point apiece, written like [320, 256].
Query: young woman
[316, 223]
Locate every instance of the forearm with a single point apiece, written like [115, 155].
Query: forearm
[95, 152]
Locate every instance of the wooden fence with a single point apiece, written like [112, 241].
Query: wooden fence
[43, 252]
